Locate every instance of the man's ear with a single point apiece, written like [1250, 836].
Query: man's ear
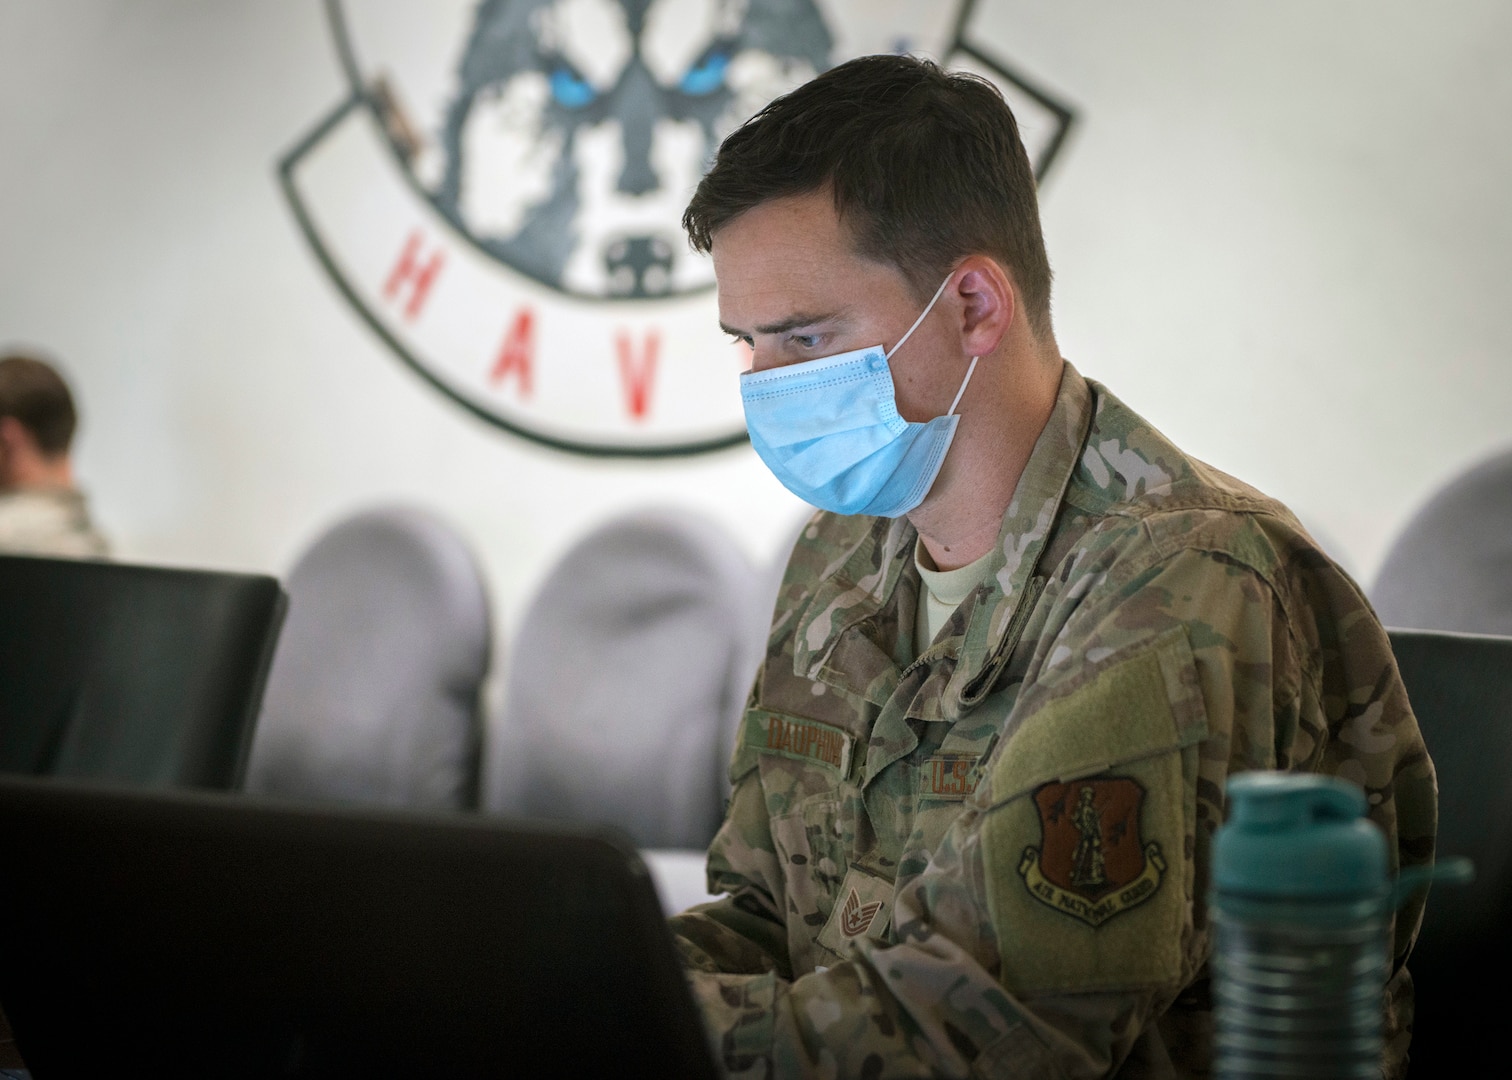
[8, 432]
[17, 443]
[989, 303]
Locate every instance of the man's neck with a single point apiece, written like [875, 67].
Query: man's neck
[960, 521]
[37, 473]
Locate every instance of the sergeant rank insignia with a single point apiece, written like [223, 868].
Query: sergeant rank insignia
[1093, 863]
[856, 918]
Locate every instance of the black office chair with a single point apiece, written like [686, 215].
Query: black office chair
[1460, 686]
[135, 674]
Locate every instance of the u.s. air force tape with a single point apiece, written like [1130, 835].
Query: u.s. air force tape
[802, 740]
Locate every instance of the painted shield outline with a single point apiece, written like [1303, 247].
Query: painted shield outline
[362, 98]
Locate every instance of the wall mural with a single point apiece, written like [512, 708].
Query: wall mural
[500, 195]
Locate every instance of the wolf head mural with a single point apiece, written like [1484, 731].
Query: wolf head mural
[579, 128]
[499, 193]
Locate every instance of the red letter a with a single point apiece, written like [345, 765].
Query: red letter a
[517, 353]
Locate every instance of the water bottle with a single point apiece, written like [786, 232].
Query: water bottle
[1301, 906]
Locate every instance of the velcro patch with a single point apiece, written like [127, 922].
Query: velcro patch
[802, 740]
[1087, 879]
[948, 776]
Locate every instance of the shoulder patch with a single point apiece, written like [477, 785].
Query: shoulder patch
[1092, 862]
[1086, 848]
[802, 740]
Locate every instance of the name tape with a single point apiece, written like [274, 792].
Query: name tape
[949, 776]
[802, 740]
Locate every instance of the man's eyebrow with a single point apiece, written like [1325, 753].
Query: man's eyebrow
[782, 327]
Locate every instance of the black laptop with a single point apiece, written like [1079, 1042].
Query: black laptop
[215, 935]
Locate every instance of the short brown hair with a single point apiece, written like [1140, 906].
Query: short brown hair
[926, 167]
[35, 394]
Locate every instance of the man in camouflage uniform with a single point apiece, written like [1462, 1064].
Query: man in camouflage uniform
[984, 852]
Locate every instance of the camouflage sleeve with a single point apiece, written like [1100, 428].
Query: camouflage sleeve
[1022, 948]
[744, 931]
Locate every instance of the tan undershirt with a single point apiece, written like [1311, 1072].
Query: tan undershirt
[942, 593]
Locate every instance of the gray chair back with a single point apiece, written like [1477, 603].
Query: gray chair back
[629, 664]
[374, 692]
[142, 675]
[1451, 567]
[1460, 686]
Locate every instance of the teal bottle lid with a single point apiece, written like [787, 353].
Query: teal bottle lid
[1298, 836]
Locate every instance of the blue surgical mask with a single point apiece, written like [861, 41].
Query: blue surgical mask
[829, 429]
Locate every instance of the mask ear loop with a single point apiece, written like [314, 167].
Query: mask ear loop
[927, 307]
[962, 390]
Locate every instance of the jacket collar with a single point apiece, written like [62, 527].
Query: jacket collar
[832, 645]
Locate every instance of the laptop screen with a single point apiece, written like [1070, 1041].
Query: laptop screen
[224, 936]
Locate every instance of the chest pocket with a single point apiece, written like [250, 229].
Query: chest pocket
[1085, 844]
[814, 845]
[812, 804]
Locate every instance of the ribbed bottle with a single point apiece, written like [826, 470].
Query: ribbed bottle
[1301, 907]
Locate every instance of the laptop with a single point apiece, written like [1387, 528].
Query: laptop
[203, 934]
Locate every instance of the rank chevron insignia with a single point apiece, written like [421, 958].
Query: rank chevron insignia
[856, 917]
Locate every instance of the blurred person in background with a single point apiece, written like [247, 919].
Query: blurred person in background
[41, 511]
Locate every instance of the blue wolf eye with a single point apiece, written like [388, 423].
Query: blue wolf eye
[706, 76]
[571, 90]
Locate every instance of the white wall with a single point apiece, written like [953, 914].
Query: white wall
[1279, 230]
[1282, 231]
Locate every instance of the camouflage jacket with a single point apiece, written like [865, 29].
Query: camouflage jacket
[51, 523]
[988, 857]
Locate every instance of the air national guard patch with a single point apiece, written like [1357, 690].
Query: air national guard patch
[1093, 863]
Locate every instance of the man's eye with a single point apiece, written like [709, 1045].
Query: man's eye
[743, 339]
[806, 341]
